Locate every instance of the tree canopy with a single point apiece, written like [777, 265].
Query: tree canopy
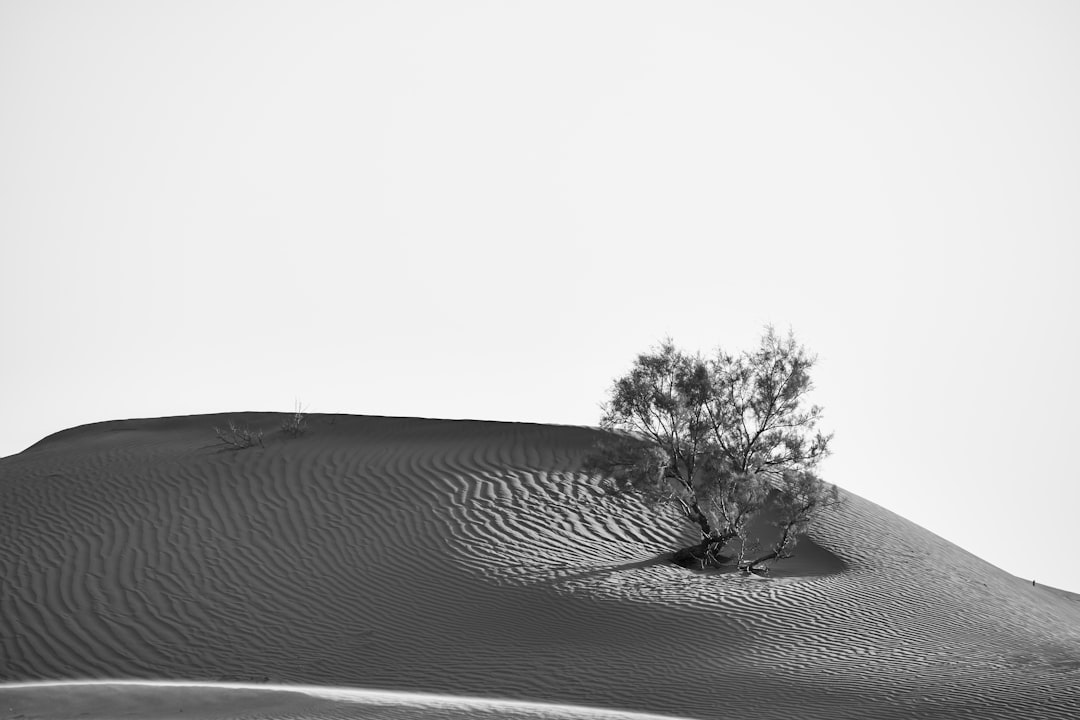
[721, 438]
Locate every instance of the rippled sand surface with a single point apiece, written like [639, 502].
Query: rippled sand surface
[473, 559]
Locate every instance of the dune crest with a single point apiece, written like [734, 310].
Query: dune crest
[473, 558]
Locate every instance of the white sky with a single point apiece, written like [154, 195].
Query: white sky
[487, 209]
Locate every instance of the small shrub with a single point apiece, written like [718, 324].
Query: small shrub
[238, 437]
[295, 424]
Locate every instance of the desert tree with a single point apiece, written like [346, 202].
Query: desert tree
[719, 438]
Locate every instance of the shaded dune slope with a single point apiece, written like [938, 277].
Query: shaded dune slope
[473, 558]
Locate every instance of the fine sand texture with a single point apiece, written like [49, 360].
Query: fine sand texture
[473, 560]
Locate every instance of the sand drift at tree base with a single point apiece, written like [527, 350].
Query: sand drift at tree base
[474, 559]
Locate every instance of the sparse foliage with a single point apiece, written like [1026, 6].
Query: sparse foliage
[295, 423]
[238, 437]
[719, 438]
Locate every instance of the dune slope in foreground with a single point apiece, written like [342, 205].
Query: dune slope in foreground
[473, 559]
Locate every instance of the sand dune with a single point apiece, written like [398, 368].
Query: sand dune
[473, 559]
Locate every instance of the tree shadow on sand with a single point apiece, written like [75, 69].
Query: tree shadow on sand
[660, 559]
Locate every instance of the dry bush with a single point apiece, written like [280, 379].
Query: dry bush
[238, 437]
[295, 423]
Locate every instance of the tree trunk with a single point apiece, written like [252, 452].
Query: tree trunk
[749, 567]
[703, 523]
[694, 513]
[777, 551]
[706, 554]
